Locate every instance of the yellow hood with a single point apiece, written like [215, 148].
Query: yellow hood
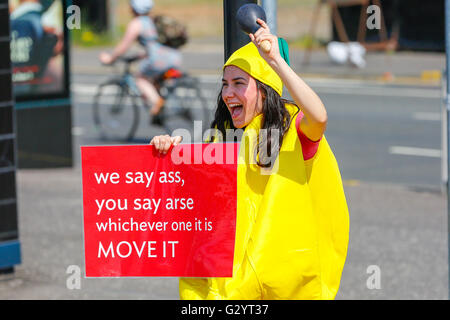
[249, 60]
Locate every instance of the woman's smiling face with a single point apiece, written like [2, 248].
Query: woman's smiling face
[241, 96]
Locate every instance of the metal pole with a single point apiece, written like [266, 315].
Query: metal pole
[234, 37]
[444, 152]
[111, 11]
[270, 7]
[447, 102]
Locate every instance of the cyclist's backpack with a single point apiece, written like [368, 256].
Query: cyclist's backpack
[170, 32]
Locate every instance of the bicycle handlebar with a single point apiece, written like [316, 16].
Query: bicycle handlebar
[130, 59]
[166, 74]
[126, 59]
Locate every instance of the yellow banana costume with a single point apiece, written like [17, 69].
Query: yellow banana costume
[292, 223]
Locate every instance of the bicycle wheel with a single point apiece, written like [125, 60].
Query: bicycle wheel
[185, 107]
[116, 114]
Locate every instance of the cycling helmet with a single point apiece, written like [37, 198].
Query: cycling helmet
[141, 6]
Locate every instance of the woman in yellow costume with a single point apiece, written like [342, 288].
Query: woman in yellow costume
[292, 221]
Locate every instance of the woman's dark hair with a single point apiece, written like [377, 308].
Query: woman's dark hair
[276, 118]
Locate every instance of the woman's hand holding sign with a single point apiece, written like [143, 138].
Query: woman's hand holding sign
[164, 142]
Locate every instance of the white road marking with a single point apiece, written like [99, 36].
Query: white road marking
[410, 151]
[382, 92]
[427, 116]
[77, 131]
[324, 86]
[89, 89]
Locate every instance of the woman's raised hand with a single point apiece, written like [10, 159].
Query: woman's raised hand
[263, 34]
[164, 142]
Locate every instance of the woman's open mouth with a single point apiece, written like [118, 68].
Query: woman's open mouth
[236, 110]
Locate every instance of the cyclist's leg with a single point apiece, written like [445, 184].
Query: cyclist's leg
[162, 59]
[149, 93]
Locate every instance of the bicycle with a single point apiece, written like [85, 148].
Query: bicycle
[116, 104]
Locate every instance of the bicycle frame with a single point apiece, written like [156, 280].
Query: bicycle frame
[171, 85]
[129, 80]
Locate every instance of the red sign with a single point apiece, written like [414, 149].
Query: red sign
[147, 214]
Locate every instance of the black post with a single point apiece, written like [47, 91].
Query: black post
[9, 234]
[447, 105]
[234, 37]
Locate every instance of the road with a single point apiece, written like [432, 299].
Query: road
[386, 140]
[379, 132]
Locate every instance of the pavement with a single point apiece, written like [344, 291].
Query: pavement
[206, 56]
[398, 233]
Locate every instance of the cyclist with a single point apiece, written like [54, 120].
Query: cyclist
[158, 58]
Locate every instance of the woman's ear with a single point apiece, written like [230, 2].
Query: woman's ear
[263, 92]
[263, 95]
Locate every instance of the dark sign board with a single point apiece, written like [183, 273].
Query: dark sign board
[39, 49]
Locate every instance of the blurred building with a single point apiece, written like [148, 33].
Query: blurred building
[420, 24]
[95, 13]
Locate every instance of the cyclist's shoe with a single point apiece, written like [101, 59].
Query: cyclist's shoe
[187, 114]
[156, 108]
[156, 111]
[156, 119]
